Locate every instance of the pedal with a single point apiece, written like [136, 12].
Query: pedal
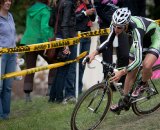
[116, 111]
[127, 107]
[150, 91]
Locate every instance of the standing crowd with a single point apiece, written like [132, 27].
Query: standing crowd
[49, 20]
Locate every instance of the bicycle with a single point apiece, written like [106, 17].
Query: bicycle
[93, 105]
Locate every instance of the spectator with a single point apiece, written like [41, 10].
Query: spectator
[37, 31]
[105, 9]
[7, 40]
[85, 14]
[65, 77]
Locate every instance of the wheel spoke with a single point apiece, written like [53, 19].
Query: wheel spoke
[150, 98]
[91, 108]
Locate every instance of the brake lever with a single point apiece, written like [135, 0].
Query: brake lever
[85, 60]
[92, 67]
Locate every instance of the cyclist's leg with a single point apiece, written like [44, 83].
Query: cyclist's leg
[124, 102]
[148, 62]
[130, 78]
[129, 81]
[152, 54]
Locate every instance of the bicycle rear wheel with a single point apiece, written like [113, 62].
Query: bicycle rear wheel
[91, 108]
[150, 99]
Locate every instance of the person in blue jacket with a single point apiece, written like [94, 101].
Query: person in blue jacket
[7, 40]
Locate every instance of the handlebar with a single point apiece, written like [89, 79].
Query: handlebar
[85, 60]
[108, 65]
[111, 67]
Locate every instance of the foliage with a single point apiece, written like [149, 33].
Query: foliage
[155, 12]
[18, 10]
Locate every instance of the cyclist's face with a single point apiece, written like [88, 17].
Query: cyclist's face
[118, 29]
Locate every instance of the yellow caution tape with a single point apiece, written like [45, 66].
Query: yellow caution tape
[49, 45]
[158, 21]
[42, 46]
[105, 31]
[57, 43]
[51, 66]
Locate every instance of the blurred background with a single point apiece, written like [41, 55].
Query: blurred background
[18, 10]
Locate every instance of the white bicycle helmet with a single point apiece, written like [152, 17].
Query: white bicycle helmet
[121, 16]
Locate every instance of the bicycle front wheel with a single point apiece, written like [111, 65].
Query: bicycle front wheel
[91, 108]
[150, 99]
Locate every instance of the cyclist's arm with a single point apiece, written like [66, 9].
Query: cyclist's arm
[137, 47]
[107, 42]
[103, 46]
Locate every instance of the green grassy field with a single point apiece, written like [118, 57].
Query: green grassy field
[41, 115]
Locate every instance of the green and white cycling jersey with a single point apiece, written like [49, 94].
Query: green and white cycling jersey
[145, 35]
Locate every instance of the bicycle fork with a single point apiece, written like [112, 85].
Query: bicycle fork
[94, 110]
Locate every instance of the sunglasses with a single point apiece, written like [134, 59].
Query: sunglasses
[118, 27]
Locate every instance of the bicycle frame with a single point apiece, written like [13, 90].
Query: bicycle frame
[95, 102]
[118, 86]
[110, 73]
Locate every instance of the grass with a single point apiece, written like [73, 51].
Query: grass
[38, 115]
[41, 115]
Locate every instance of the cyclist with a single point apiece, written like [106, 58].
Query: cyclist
[145, 36]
